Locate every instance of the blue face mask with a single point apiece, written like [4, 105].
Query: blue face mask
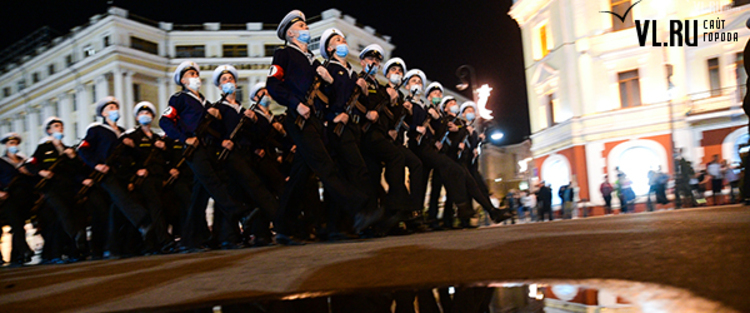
[470, 116]
[342, 50]
[58, 135]
[227, 88]
[303, 36]
[114, 115]
[144, 119]
[13, 149]
[372, 69]
[265, 102]
[454, 109]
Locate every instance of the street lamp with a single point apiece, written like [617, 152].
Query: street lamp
[497, 135]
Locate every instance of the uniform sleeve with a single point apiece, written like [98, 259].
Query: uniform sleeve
[168, 120]
[275, 82]
[32, 163]
[87, 148]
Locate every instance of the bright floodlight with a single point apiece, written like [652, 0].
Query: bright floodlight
[497, 136]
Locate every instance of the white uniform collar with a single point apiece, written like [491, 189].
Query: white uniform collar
[236, 107]
[201, 100]
[106, 125]
[10, 161]
[268, 116]
[345, 66]
[309, 55]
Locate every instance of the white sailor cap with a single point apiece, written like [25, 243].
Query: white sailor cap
[223, 69]
[104, 102]
[325, 37]
[417, 72]
[445, 100]
[468, 104]
[144, 105]
[51, 120]
[10, 136]
[257, 87]
[374, 50]
[433, 86]
[292, 17]
[394, 62]
[184, 67]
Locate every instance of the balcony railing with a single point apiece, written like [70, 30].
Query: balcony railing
[716, 99]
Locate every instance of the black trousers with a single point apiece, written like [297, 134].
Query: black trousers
[206, 180]
[312, 157]
[346, 154]
[151, 192]
[433, 160]
[545, 209]
[377, 148]
[15, 210]
[416, 177]
[121, 198]
[59, 196]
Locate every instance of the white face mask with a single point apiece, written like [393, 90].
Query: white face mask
[395, 79]
[416, 89]
[194, 83]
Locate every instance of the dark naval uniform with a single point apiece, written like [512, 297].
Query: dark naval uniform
[292, 73]
[15, 207]
[181, 120]
[345, 148]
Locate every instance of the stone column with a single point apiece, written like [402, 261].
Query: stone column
[83, 118]
[102, 87]
[163, 95]
[128, 103]
[33, 132]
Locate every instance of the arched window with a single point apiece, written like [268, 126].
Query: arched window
[556, 172]
[731, 145]
[635, 158]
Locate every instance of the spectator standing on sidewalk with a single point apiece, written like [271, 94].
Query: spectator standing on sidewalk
[717, 179]
[606, 190]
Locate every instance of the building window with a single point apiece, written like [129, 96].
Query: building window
[630, 90]
[88, 51]
[314, 44]
[51, 69]
[620, 7]
[636, 162]
[556, 172]
[106, 41]
[144, 45]
[239, 93]
[137, 93]
[235, 51]
[550, 109]
[190, 51]
[74, 101]
[68, 60]
[270, 49]
[21, 84]
[93, 92]
[737, 3]
[75, 129]
[35, 77]
[6, 92]
[713, 77]
[542, 41]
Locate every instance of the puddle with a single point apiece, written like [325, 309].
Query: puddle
[547, 297]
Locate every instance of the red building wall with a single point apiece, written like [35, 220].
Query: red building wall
[712, 140]
[577, 157]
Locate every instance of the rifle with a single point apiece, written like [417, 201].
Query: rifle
[350, 105]
[44, 180]
[233, 136]
[447, 132]
[426, 124]
[312, 93]
[382, 106]
[136, 180]
[199, 131]
[468, 145]
[97, 176]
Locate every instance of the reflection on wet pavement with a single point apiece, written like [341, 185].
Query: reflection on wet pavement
[489, 298]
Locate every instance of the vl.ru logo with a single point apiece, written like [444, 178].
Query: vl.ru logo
[681, 32]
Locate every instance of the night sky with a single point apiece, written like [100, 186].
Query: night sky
[435, 38]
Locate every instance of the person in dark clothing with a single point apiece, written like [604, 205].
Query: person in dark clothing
[16, 185]
[606, 190]
[544, 199]
[293, 71]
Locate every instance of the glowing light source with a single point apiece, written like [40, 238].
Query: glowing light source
[483, 93]
[497, 136]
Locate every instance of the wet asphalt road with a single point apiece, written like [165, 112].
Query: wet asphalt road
[704, 251]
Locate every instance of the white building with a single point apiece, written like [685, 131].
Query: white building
[598, 99]
[133, 58]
